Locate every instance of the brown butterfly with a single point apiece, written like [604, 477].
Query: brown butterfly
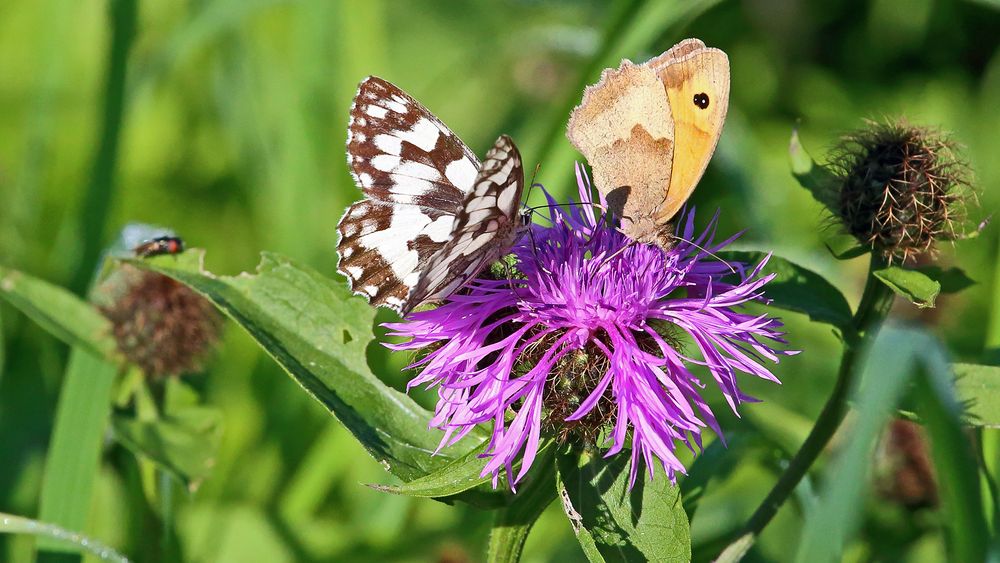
[649, 130]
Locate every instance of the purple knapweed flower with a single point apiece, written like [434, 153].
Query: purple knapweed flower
[589, 340]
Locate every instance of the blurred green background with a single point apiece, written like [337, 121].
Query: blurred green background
[232, 128]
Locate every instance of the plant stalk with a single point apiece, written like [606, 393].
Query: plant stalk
[872, 310]
[123, 15]
[512, 523]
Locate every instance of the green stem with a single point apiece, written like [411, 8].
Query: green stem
[97, 202]
[872, 310]
[512, 524]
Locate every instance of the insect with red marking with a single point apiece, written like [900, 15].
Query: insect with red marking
[158, 246]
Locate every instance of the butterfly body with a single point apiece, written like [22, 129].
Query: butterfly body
[433, 214]
[649, 130]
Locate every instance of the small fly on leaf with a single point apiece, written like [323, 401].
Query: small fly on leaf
[158, 246]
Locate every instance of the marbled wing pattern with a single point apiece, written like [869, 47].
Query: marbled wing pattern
[486, 226]
[417, 177]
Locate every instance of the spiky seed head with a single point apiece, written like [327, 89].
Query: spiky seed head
[160, 325]
[900, 189]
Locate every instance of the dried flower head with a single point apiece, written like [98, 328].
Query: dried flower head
[160, 325]
[906, 473]
[900, 189]
[583, 344]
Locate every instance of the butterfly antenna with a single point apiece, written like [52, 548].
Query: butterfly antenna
[534, 251]
[707, 251]
[533, 175]
[532, 184]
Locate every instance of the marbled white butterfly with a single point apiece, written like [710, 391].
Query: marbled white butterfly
[433, 216]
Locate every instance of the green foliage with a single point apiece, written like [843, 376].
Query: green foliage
[921, 286]
[952, 280]
[978, 388]
[917, 287]
[892, 359]
[60, 312]
[318, 332]
[74, 455]
[615, 523]
[816, 178]
[458, 476]
[798, 289]
[512, 524]
[183, 441]
[224, 120]
[844, 246]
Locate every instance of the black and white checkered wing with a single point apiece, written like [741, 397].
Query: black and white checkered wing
[487, 225]
[416, 175]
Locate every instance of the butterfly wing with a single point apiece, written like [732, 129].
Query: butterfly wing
[696, 80]
[416, 174]
[485, 228]
[648, 132]
[624, 128]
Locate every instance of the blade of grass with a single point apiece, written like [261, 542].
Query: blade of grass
[956, 468]
[74, 453]
[100, 192]
[883, 374]
[61, 313]
[3, 348]
[10, 524]
[889, 363]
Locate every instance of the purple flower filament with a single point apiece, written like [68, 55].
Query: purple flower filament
[597, 317]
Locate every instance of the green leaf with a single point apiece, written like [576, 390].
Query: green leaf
[183, 442]
[978, 387]
[845, 246]
[951, 280]
[913, 285]
[819, 180]
[613, 523]
[10, 524]
[319, 333]
[461, 475]
[60, 312]
[798, 289]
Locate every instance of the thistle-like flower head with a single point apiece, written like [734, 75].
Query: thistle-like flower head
[160, 325]
[901, 188]
[582, 341]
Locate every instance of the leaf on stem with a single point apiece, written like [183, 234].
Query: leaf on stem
[798, 289]
[844, 246]
[913, 285]
[613, 523]
[319, 333]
